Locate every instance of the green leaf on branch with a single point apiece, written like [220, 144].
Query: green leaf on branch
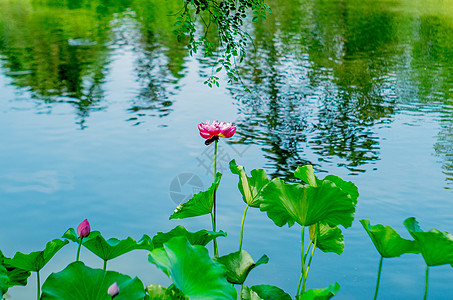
[192, 270]
[201, 237]
[239, 264]
[250, 187]
[387, 241]
[35, 261]
[436, 246]
[307, 174]
[264, 292]
[328, 239]
[4, 281]
[200, 204]
[15, 276]
[320, 294]
[307, 205]
[112, 248]
[80, 282]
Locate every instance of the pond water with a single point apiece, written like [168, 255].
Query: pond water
[99, 106]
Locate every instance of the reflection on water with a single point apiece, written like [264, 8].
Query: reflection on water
[323, 74]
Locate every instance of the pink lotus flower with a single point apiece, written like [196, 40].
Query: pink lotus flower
[84, 229]
[113, 290]
[219, 129]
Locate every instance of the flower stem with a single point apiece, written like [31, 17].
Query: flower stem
[378, 277]
[242, 227]
[78, 249]
[426, 282]
[302, 274]
[214, 215]
[39, 285]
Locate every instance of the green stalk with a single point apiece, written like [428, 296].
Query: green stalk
[426, 282]
[242, 227]
[78, 249]
[216, 250]
[39, 285]
[378, 277]
[105, 265]
[302, 273]
[309, 261]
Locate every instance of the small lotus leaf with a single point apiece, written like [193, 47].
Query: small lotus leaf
[264, 292]
[239, 264]
[200, 204]
[192, 270]
[307, 175]
[158, 292]
[387, 241]
[320, 294]
[35, 261]
[250, 187]
[435, 246]
[329, 239]
[307, 205]
[80, 282]
[201, 237]
[112, 248]
[71, 234]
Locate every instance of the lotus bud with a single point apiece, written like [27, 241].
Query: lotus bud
[113, 290]
[84, 229]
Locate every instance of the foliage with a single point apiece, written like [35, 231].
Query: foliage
[264, 292]
[239, 264]
[201, 237]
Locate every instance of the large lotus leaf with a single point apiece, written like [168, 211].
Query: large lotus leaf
[201, 237]
[4, 281]
[328, 239]
[435, 246]
[35, 261]
[200, 204]
[192, 270]
[320, 294]
[239, 264]
[387, 241]
[307, 205]
[80, 282]
[306, 174]
[250, 187]
[264, 292]
[158, 292]
[111, 248]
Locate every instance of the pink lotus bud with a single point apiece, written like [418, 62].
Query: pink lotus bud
[113, 290]
[221, 129]
[84, 229]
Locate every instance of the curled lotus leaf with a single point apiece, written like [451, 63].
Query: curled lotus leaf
[387, 241]
[436, 246]
[264, 292]
[239, 264]
[320, 294]
[328, 238]
[201, 237]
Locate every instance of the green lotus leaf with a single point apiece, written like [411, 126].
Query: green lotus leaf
[435, 246]
[200, 204]
[320, 294]
[192, 270]
[239, 264]
[306, 174]
[111, 248]
[80, 282]
[329, 239]
[158, 292]
[71, 234]
[15, 275]
[307, 205]
[4, 281]
[201, 237]
[250, 187]
[387, 241]
[264, 292]
[35, 261]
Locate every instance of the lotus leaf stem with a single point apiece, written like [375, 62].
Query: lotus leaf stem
[378, 277]
[105, 264]
[216, 251]
[39, 285]
[242, 227]
[309, 261]
[426, 282]
[302, 274]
